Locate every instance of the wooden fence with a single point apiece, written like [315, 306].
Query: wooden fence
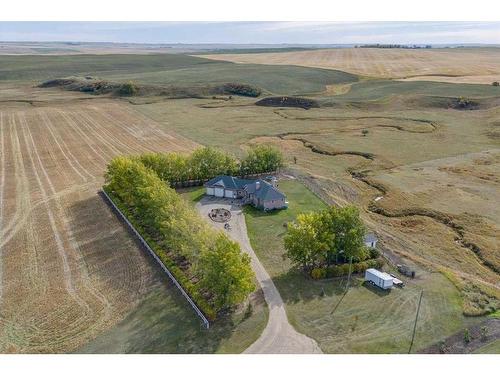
[204, 320]
[192, 183]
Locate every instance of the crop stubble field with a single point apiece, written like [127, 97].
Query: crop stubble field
[445, 65]
[68, 270]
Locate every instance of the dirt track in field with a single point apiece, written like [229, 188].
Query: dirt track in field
[68, 270]
[447, 65]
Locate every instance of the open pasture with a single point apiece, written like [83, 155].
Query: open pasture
[466, 65]
[387, 138]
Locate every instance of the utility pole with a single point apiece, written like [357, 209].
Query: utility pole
[349, 276]
[416, 319]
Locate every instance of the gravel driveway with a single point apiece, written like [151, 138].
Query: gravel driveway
[278, 336]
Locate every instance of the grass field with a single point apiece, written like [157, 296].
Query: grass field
[402, 134]
[364, 320]
[389, 63]
[162, 323]
[170, 69]
[70, 280]
[491, 348]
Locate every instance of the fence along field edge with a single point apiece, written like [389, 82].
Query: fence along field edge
[204, 320]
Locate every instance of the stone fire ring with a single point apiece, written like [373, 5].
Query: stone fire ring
[220, 215]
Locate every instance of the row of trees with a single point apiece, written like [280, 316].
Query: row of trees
[205, 163]
[216, 273]
[324, 238]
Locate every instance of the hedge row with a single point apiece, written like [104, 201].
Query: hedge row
[180, 237]
[179, 275]
[343, 269]
[206, 163]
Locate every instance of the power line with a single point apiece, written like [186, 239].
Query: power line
[416, 319]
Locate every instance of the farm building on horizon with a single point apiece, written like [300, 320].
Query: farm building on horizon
[262, 194]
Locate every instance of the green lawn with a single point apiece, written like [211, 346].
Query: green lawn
[266, 230]
[192, 194]
[491, 348]
[364, 320]
[163, 322]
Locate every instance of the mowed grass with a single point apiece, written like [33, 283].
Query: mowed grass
[171, 69]
[363, 320]
[266, 229]
[163, 322]
[491, 348]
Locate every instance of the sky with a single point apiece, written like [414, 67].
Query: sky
[255, 32]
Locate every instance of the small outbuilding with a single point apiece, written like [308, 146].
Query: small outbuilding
[370, 240]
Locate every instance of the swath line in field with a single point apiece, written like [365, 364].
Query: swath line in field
[71, 158]
[99, 153]
[68, 278]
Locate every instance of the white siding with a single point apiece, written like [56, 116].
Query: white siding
[230, 194]
[210, 191]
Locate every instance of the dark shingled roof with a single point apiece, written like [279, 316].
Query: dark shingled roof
[228, 182]
[266, 191]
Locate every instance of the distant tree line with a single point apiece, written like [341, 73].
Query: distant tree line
[207, 162]
[209, 266]
[404, 46]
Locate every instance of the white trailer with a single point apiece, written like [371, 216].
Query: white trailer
[380, 279]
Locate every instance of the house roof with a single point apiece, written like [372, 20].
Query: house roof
[266, 191]
[370, 237]
[228, 182]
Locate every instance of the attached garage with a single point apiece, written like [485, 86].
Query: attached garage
[219, 192]
[230, 194]
[210, 191]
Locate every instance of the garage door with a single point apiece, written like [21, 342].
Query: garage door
[230, 194]
[219, 192]
[210, 191]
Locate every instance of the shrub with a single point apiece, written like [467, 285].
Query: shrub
[128, 89]
[467, 338]
[364, 132]
[241, 89]
[318, 273]
[373, 253]
[496, 83]
[484, 333]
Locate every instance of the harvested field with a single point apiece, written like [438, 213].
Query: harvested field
[445, 65]
[68, 269]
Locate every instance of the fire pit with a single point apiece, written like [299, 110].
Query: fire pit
[220, 215]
